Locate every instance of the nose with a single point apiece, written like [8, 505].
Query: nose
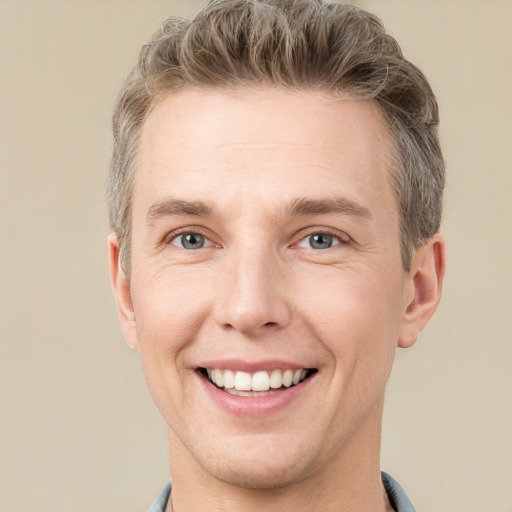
[252, 293]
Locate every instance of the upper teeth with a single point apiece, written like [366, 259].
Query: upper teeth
[259, 381]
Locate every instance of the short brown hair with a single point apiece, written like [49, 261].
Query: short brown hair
[302, 44]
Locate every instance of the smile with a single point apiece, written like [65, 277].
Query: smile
[261, 383]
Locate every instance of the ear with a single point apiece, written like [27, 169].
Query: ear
[423, 289]
[121, 287]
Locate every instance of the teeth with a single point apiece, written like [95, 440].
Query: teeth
[287, 378]
[229, 379]
[276, 379]
[259, 383]
[218, 377]
[234, 391]
[243, 381]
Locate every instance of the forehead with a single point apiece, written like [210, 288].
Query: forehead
[228, 144]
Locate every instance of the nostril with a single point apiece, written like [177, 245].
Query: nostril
[271, 323]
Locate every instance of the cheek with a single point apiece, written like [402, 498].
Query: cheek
[169, 312]
[167, 323]
[169, 307]
[356, 316]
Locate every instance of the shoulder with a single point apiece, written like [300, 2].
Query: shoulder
[160, 503]
[396, 494]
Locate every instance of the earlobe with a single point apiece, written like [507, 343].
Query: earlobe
[425, 284]
[121, 286]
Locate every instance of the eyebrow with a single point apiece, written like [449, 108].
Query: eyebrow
[298, 207]
[169, 206]
[340, 205]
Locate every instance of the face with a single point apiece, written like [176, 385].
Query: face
[266, 295]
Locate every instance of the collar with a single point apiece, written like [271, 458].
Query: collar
[399, 500]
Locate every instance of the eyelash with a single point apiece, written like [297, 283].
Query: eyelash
[187, 231]
[341, 237]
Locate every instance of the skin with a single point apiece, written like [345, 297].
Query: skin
[258, 290]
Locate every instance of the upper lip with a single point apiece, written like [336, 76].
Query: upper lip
[251, 366]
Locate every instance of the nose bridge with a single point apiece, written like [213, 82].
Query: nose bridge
[252, 294]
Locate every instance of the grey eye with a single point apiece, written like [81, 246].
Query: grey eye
[320, 241]
[190, 241]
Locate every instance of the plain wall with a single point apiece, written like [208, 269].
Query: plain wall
[78, 430]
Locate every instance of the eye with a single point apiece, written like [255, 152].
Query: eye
[319, 241]
[190, 241]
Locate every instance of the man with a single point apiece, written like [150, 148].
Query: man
[275, 200]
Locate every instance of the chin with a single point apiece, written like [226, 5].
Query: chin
[252, 475]
[262, 466]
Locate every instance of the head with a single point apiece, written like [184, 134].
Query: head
[300, 45]
[275, 197]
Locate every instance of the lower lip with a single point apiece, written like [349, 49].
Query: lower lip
[254, 405]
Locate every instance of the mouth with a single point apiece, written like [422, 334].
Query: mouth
[260, 383]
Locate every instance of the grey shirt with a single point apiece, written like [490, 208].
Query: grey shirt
[399, 500]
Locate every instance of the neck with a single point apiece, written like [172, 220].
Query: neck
[349, 481]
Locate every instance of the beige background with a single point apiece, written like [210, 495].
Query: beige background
[78, 431]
